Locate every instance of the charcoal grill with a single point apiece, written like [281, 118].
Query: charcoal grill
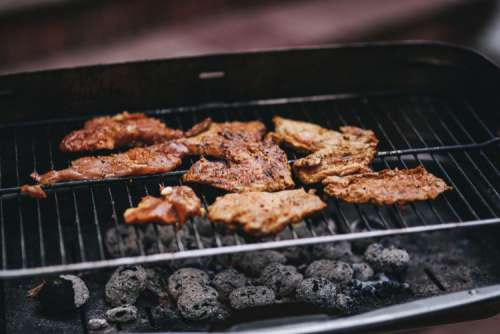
[429, 104]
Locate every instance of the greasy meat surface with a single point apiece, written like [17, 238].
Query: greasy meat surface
[390, 186]
[340, 160]
[310, 137]
[110, 132]
[175, 206]
[212, 139]
[247, 166]
[34, 191]
[159, 158]
[264, 213]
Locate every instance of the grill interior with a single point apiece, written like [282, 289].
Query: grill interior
[68, 230]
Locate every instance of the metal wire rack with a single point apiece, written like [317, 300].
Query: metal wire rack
[79, 226]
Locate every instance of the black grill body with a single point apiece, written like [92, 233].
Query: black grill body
[429, 104]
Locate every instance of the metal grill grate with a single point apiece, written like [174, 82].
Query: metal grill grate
[69, 230]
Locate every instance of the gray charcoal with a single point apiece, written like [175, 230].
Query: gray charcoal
[198, 303]
[156, 287]
[125, 285]
[282, 279]
[254, 262]
[380, 287]
[166, 234]
[165, 314]
[317, 291]
[222, 313]
[64, 293]
[344, 303]
[124, 313]
[297, 255]
[183, 277]
[228, 280]
[388, 260]
[359, 245]
[335, 271]
[362, 271]
[128, 243]
[251, 296]
[80, 289]
[333, 251]
[97, 324]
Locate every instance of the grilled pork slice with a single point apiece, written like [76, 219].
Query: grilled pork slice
[175, 206]
[341, 160]
[304, 136]
[247, 166]
[211, 139]
[110, 132]
[264, 213]
[159, 158]
[34, 191]
[389, 186]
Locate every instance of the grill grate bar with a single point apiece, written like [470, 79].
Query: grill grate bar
[38, 211]
[387, 165]
[81, 246]
[114, 217]
[137, 230]
[19, 210]
[455, 162]
[393, 208]
[442, 169]
[159, 242]
[467, 133]
[97, 225]
[469, 158]
[62, 248]
[401, 161]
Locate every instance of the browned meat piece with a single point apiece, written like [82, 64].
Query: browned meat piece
[199, 128]
[340, 160]
[176, 205]
[250, 166]
[34, 191]
[389, 186]
[217, 136]
[264, 213]
[159, 158]
[110, 132]
[310, 137]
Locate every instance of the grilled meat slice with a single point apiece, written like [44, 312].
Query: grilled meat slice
[264, 213]
[159, 158]
[341, 160]
[247, 166]
[34, 191]
[212, 139]
[304, 136]
[389, 186]
[110, 132]
[176, 205]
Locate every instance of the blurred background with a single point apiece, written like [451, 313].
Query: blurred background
[44, 34]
